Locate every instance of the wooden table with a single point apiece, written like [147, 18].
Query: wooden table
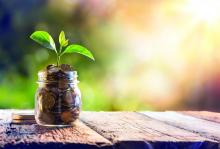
[118, 130]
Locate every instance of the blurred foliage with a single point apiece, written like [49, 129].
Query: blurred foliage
[21, 59]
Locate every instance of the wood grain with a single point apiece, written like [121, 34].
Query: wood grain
[202, 127]
[129, 130]
[206, 115]
[35, 136]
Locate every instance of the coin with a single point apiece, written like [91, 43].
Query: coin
[69, 98]
[50, 66]
[46, 117]
[75, 112]
[66, 67]
[52, 69]
[22, 122]
[62, 84]
[40, 97]
[23, 116]
[47, 100]
[67, 116]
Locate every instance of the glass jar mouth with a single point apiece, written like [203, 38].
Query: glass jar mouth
[57, 82]
[56, 77]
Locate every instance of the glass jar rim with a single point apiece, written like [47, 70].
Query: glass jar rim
[67, 76]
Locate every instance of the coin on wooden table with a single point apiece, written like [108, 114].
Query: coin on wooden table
[23, 116]
[22, 122]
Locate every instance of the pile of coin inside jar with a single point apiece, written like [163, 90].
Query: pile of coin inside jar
[58, 98]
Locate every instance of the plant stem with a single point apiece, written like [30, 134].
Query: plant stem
[60, 49]
[58, 59]
[58, 56]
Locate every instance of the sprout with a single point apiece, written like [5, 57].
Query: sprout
[44, 39]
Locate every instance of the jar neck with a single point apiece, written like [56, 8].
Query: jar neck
[67, 77]
[58, 79]
[58, 84]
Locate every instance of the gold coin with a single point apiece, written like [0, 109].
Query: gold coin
[39, 98]
[46, 117]
[47, 101]
[67, 116]
[23, 116]
[69, 98]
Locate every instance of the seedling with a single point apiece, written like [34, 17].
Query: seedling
[45, 39]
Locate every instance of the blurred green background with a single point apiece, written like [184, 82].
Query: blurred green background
[150, 55]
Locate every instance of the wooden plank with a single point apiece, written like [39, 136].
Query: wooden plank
[202, 127]
[206, 115]
[35, 136]
[134, 130]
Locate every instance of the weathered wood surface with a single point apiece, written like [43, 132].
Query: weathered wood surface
[206, 115]
[125, 128]
[116, 130]
[202, 127]
[35, 136]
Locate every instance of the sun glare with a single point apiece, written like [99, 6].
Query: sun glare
[204, 10]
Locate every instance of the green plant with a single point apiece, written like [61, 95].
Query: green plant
[44, 39]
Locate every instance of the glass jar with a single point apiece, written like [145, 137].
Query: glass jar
[58, 99]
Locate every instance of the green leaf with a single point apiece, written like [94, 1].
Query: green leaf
[62, 39]
[65, 43]
[44, 39]
[78, 49]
